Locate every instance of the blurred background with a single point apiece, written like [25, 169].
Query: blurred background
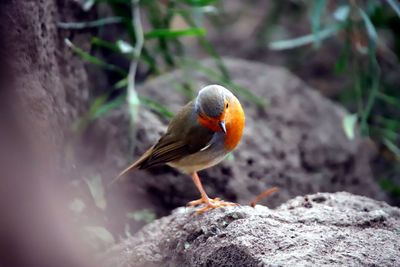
[123, 68]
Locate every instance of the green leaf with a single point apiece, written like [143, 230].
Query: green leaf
[100, 234]
[121, 83]
[390, 186]
[342, 13]
[105, 44]
[97, 191]
[124, 47]
[318, 8]
[306, 39]
[392, 147]
[392, 100]
[88, 4]
[156, 106]
[342, 61]
[114, 1]
[389, 134]
[145, 57]
[218, 78]
[150, 59]
[133, 101]
[108, 106]
[348, 124]
[98, 108]
[98, 102]
[230, 157]
[94, 60]
[372, 34]
[372, 96]
[200, 3]
[395, 6]
[217, 58]
[185, 88]
[391, 124]
[167, 33]
[209, 48]
[144, 215]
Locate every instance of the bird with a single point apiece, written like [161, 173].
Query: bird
[200, 136]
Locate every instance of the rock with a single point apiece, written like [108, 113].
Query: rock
[296, 142]
[51, 91]
[43, 89]
[324, 229]
[275, 21]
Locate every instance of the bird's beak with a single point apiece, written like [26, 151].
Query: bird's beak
[222, 126]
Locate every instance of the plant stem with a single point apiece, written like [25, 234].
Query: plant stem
[132, 96]
[89, 24]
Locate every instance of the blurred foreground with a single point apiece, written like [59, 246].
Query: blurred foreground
[65, 127]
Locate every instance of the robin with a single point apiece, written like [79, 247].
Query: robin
[198, 137]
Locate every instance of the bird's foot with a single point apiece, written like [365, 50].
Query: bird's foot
[210, 204]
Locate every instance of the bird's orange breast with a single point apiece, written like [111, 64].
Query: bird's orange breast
[234, 125]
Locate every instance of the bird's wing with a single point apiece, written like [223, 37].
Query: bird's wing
[173, 147]
[184, 136]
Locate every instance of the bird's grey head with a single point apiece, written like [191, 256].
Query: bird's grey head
[211, 100]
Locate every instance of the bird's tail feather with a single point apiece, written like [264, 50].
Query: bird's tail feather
[134, 165]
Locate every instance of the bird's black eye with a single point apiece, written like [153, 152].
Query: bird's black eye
[227, 105]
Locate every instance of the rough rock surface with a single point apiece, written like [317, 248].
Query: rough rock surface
[296, 142]
[43, 88]
[337, 229]
[52, 92]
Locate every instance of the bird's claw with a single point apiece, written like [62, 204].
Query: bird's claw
[200, 201]
[210, 204]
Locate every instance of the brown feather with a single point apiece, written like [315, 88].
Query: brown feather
[184, 136]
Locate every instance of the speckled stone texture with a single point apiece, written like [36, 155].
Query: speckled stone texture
[323, 229]
[295, 142]
[49, 79]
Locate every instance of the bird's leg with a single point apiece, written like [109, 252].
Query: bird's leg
[204, 198]
[210, 203]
